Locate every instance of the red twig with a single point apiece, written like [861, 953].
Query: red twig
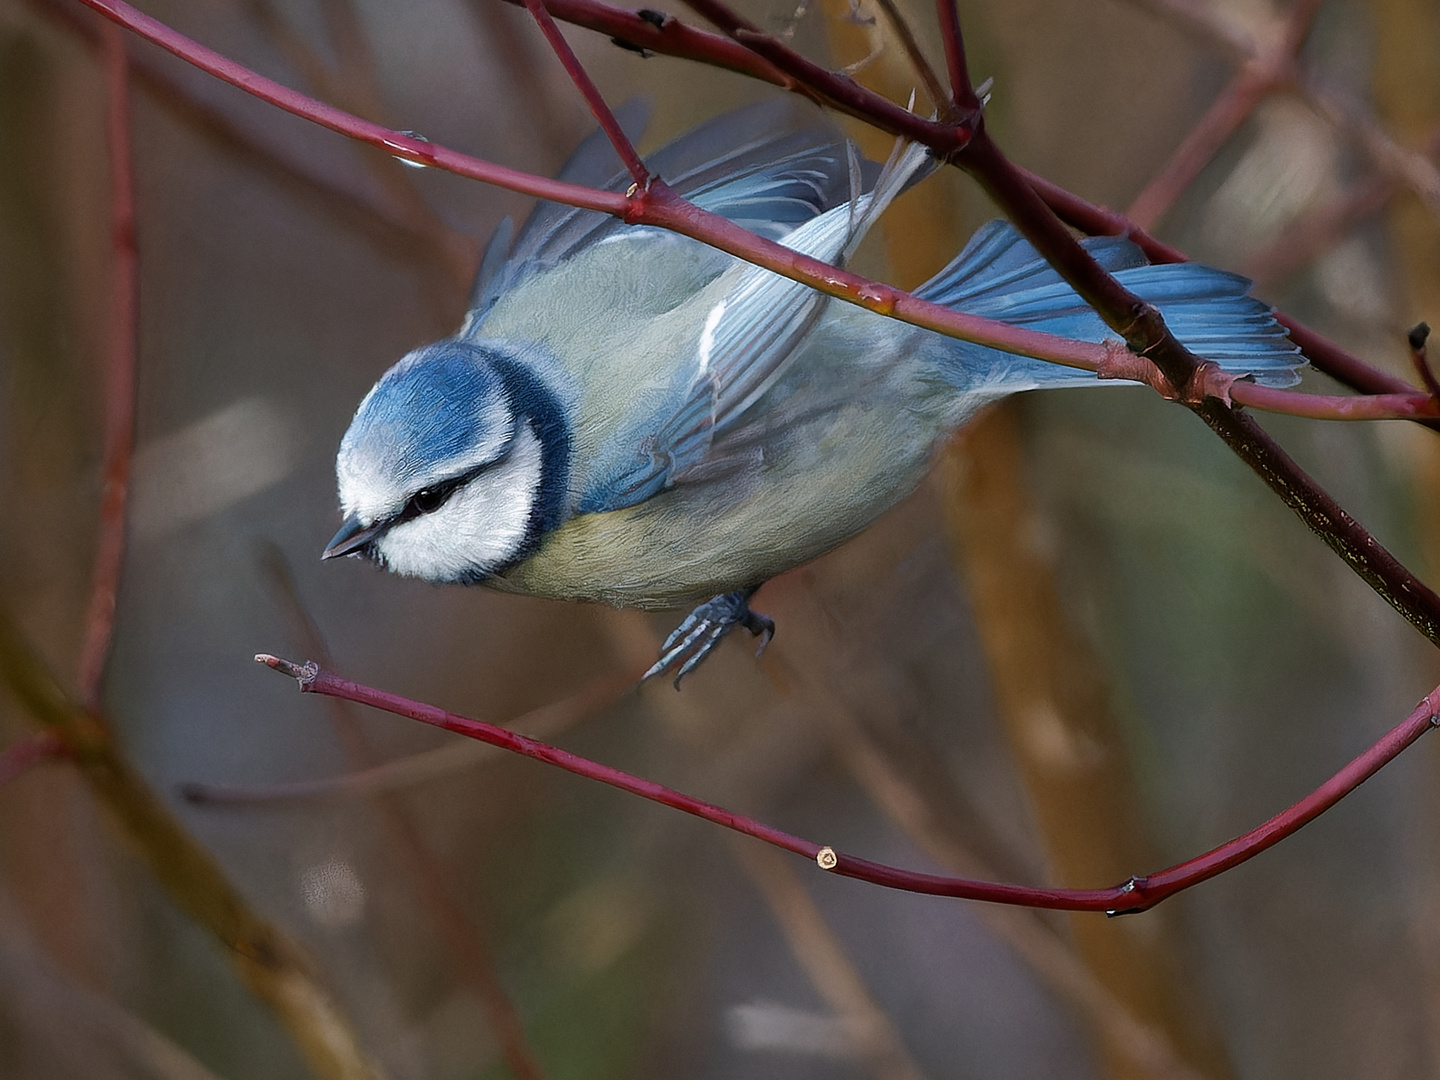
[21, 756]
[1403, 406]
[407, 772]
[581, 78]
[1137, 894]
[962, 90]
[119, 376]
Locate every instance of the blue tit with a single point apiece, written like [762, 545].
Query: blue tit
[631, 417]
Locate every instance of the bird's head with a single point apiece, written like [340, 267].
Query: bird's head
[454, 467]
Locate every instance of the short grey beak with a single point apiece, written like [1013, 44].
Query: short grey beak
[351, 538]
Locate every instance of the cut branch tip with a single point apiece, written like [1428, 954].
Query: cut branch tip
[304, 673]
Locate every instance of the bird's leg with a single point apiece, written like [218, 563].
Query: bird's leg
[696, 637]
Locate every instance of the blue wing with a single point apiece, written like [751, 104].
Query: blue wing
[752, 325]
[769, 168]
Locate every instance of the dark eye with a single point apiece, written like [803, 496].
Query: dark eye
[428, 500]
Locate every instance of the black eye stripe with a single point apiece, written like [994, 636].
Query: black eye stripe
[431, 498]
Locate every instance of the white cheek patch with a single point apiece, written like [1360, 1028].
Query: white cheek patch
[479, 529]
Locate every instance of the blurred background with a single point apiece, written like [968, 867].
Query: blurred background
[1092, 644]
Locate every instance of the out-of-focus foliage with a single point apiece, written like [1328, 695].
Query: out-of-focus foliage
[1236, 662]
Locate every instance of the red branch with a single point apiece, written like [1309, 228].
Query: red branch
[581, 78]
[661, 207]
[119, 376]
[1137, 894]
[962, 90]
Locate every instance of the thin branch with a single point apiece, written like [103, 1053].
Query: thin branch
[401, 774]
[1419, 334]
[591, 93]
[962, 90]
[1403, 406]
[1137, 894]
[119, 380]
[832, 974]
[666, 35]
[266, 961]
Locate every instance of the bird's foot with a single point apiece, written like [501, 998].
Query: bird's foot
[696, 637]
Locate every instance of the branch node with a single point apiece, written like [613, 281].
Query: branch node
[826, 858]
[1120, 363]
[1209, 380]
[1134, 887]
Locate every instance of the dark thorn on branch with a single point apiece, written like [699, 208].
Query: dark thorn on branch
[657, 19]
[1417, 337]
[630, 46]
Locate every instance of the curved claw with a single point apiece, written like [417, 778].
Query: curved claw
[696, 637]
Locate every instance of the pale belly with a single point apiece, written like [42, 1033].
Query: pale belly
[827, 481]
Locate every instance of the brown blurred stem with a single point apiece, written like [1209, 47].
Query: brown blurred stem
[356, 86]
[822, 957]
[1055, 701]
[119, 381]
[24, 754]
[1134, 1043]
[266, 961]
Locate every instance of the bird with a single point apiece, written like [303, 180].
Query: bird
[631, 417]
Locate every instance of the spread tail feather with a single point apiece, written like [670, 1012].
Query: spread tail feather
[1000, 276]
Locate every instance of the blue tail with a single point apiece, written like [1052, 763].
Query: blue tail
[1000, 276]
